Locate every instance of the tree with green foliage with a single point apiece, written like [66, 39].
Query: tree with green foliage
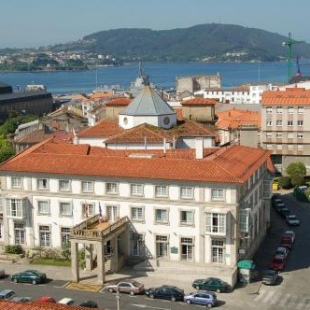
[296, 170]
[6, 149]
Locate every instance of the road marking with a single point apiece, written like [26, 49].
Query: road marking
[150, 307]
[83, 287]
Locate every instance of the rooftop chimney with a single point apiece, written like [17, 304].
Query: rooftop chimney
[199, 148]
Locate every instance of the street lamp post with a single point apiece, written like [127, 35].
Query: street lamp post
[117, 299]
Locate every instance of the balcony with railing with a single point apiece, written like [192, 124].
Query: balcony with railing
[94, 228]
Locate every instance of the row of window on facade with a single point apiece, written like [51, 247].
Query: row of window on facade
[288, 135]
[215, 222]
[112, 188]
[281, 123]
[279, 110]
[137, 243]
[290, 147]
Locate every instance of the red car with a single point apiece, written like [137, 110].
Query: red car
[278, 262]
[47, 299]
[287, 242]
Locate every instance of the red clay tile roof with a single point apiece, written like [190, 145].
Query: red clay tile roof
[232, 164]
[234, 118]
[110, 128]
[118, 102]
[105, 128]
[290, 96]
[10, 305]
[199, 101]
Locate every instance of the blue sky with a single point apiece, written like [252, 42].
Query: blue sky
[34, 23]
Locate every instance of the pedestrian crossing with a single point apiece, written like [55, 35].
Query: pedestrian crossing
[281, 300]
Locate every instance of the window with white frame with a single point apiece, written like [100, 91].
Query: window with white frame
[300, 135]
[19, 233]
[186, 217]
[136, 189]
[112, 213]
[269, 110]
[16, 182]
[64, 185]
[269, 146]
[290, 147]
[218, 251]
[42, 184]
[161, 191]
[88, 209]
[290, 135]
[279, 135]
[279, 122]
[44, 207]
[290, 110]
[14, 207]
[300, 147]
[187, 248]
[218, 194]
[45, 235]
[300, 110]
[112, 188]
[64, 235]
[137, 244]
[268, 135]
[136, 214]
[87, 186]
[65, 209]
[187, 192]
[290, 123]
[279, 146]
[279, 110]
[300, 123]
[161, 216]
[215, 223]
[268, 123]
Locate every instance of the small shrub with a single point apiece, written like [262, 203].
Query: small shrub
[298, 180]
[14, 249]
[285, 182]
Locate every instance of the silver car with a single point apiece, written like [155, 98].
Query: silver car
[201, 297]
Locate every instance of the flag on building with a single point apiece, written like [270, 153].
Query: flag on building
[100, 210]
[86, 209]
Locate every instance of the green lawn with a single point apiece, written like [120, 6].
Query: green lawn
[51, 262]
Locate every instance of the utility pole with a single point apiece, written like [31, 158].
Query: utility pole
[117, 296]
[289, 43]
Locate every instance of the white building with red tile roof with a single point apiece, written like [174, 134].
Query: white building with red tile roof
[208, 207]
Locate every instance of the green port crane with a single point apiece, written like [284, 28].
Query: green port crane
[289, 43]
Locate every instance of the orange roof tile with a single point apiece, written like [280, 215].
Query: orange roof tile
[289, 96]
[235, 118]
[10, 305]
[105, 128]
[118, 102]
[226, 165]
[199, 101]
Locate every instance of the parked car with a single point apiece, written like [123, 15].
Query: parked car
[278, 203]
[89, 304]
[278, 263]
[66, 301]
[48, 299]
[29, 276]
[282, 251]
[7, 294]
[127, 286]
[290, 234]
[211, 284]
[270, 277]
[292, 220]
[169, 292]
[287, 242]
[21, 299]
[284, 212]
[202, 297]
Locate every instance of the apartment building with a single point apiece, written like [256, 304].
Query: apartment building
[286, 126]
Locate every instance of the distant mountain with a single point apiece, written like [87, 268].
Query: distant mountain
[213, 42]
